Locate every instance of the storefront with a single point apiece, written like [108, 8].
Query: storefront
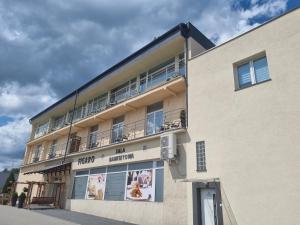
[141, 181]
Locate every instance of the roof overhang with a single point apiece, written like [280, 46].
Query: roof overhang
[52, 169]
[181, 31]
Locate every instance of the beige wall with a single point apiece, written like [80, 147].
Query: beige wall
[139, 115]
[251, 135]
[173, 210]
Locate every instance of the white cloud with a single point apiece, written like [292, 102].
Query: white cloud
[17, 100]
[225, 21]
[13, 138]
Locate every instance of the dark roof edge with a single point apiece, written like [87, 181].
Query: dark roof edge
[186, 30]
[249, 31]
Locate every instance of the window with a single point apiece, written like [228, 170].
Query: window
[143, 82]
[52, 152]
[79, 188]
[253, 72]
[161, 73]
[200, 156]
[137, 181]
[181, 64]
[159, 185]
[41, 130]
[37, 153]
[92, 141]
[78, 114]
[115, 186]
[97, 104]
[117, 129]
[58, 122]
[155, 117]
[120, 93]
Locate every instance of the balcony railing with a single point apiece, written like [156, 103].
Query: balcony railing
[172, 120]
[153, 80]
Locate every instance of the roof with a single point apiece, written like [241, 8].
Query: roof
[185, 29]
[50, 169]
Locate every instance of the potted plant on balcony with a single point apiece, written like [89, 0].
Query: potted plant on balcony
[22, 198]
[14, 199]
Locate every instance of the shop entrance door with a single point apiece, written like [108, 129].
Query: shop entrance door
[208, 207]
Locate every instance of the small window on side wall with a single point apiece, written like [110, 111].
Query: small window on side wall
[252, 72]
[200, 156]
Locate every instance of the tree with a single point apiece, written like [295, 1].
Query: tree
[10, 180]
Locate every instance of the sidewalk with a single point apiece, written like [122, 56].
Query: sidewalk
[14, 216]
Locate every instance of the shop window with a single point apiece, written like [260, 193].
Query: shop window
[119, 168]
[115, 186]
[142, 165]
[159, 185]
[82, 172]
[98, 170]
[79, 188]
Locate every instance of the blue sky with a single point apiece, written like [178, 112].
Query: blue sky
[49, 48]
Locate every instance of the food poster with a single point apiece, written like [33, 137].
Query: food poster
[140, 185]
[96, 187]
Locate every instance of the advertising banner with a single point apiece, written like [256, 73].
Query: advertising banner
[96, 187]
[140, 185]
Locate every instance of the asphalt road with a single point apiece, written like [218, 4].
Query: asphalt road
[14, 216]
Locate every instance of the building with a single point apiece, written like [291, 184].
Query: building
[180, 132]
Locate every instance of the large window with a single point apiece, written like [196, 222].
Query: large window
[155, 118]
[136, 182]
[161, 73]
[117, 129]
[37, 153]
[41, 130]
[93, 137]
[253, 72]
[58, 122]
[53, 148]
[97, 104]
[79, 187]
[78, 114]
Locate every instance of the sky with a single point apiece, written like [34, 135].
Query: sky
[49, 48]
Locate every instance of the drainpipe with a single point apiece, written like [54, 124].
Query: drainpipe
[186, 79]
[70, 129]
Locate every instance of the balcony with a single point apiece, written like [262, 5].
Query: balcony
[171, 120]
[124, 100]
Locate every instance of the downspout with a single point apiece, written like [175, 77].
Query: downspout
[70, 129]
[186, 77]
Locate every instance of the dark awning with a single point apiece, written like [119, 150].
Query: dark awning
[50, 169]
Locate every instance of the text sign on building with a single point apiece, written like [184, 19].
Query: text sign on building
[121, 157]
[86, 160]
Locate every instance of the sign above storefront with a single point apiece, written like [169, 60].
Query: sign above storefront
[86, 160]
[121, 157]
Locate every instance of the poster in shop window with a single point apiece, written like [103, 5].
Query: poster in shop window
[96, 187]
[140, 185]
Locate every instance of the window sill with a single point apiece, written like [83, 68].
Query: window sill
[239, 89]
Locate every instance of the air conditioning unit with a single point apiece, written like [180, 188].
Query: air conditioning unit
[168, 149]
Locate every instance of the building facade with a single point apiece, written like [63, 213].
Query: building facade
[180, 132]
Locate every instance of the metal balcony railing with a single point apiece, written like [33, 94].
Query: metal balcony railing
[154, 79]
[172, 120]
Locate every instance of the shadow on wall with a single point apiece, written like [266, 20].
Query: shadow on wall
[228, 215]
[178, 168]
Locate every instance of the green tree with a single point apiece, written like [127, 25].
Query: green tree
[10, 179]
